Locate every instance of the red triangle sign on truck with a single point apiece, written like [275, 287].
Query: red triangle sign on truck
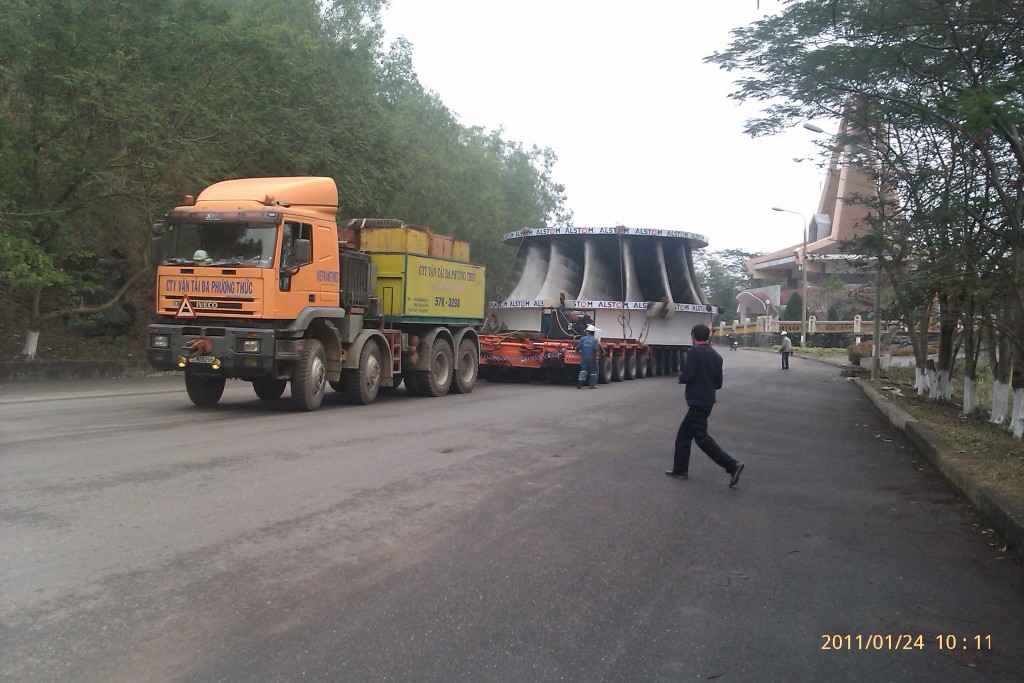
[185, 310]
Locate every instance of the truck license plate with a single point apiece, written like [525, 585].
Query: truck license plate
[206, 360]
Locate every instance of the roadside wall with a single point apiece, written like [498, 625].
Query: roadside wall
[27, 371]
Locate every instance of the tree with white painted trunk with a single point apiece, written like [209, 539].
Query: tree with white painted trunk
[937, 77]
[999, 361]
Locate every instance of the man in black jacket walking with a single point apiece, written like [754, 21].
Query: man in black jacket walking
[702, 375]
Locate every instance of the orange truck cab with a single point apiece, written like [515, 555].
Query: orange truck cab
[256, 281]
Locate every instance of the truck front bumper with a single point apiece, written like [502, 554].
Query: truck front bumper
[225, 351]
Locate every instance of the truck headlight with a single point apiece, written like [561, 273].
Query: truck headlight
[248, 345]
[160, 341]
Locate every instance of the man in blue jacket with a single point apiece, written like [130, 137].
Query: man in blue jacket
[589, 349]
[702, 375]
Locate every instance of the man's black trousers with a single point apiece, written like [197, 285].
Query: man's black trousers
[695, 428]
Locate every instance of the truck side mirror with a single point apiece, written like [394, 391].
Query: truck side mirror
[303, 252]
[155, 244]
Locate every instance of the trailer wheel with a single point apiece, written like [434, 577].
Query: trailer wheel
[269, 389]
[631, 368]
[676, 364]
[604, 370]
[363, 383]
[438, 379]
[309, 378]
[642, 369]
[467, 365]
[204, 390]
[618, 368]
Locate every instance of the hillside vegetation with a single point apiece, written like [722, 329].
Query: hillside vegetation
[112, 110]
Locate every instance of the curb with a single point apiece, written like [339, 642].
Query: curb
[1005, 515]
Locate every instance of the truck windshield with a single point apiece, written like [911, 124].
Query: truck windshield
[219, 244]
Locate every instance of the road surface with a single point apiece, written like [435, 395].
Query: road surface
[519, 533]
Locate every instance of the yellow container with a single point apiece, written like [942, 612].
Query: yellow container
[425, 288]
[460, 251]
[404, 240]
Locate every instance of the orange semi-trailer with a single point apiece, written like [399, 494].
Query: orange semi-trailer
[257, 281]
[550, 354]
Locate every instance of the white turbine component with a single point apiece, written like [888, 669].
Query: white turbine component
[686, 289]
[694, 285]
[619, 275]
[600, 282]
[565, 274]
[531, 272]
[660, 303]
[633, 291]
[666, 284]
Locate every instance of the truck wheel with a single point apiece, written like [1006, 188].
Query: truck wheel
[631, 369]
[363, 383]
[269, 389]
[204, 390]
[642, 369]
[309, 378]
[604, 370]
[438, 379]
[618, 368]
[676, 365]
[466, 367]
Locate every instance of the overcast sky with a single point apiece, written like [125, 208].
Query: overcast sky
[644, 131]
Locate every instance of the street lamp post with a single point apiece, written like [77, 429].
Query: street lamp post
[803, 268]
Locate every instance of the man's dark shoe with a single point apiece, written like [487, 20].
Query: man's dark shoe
[736, 474]
[579, 384]
[677, 475]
